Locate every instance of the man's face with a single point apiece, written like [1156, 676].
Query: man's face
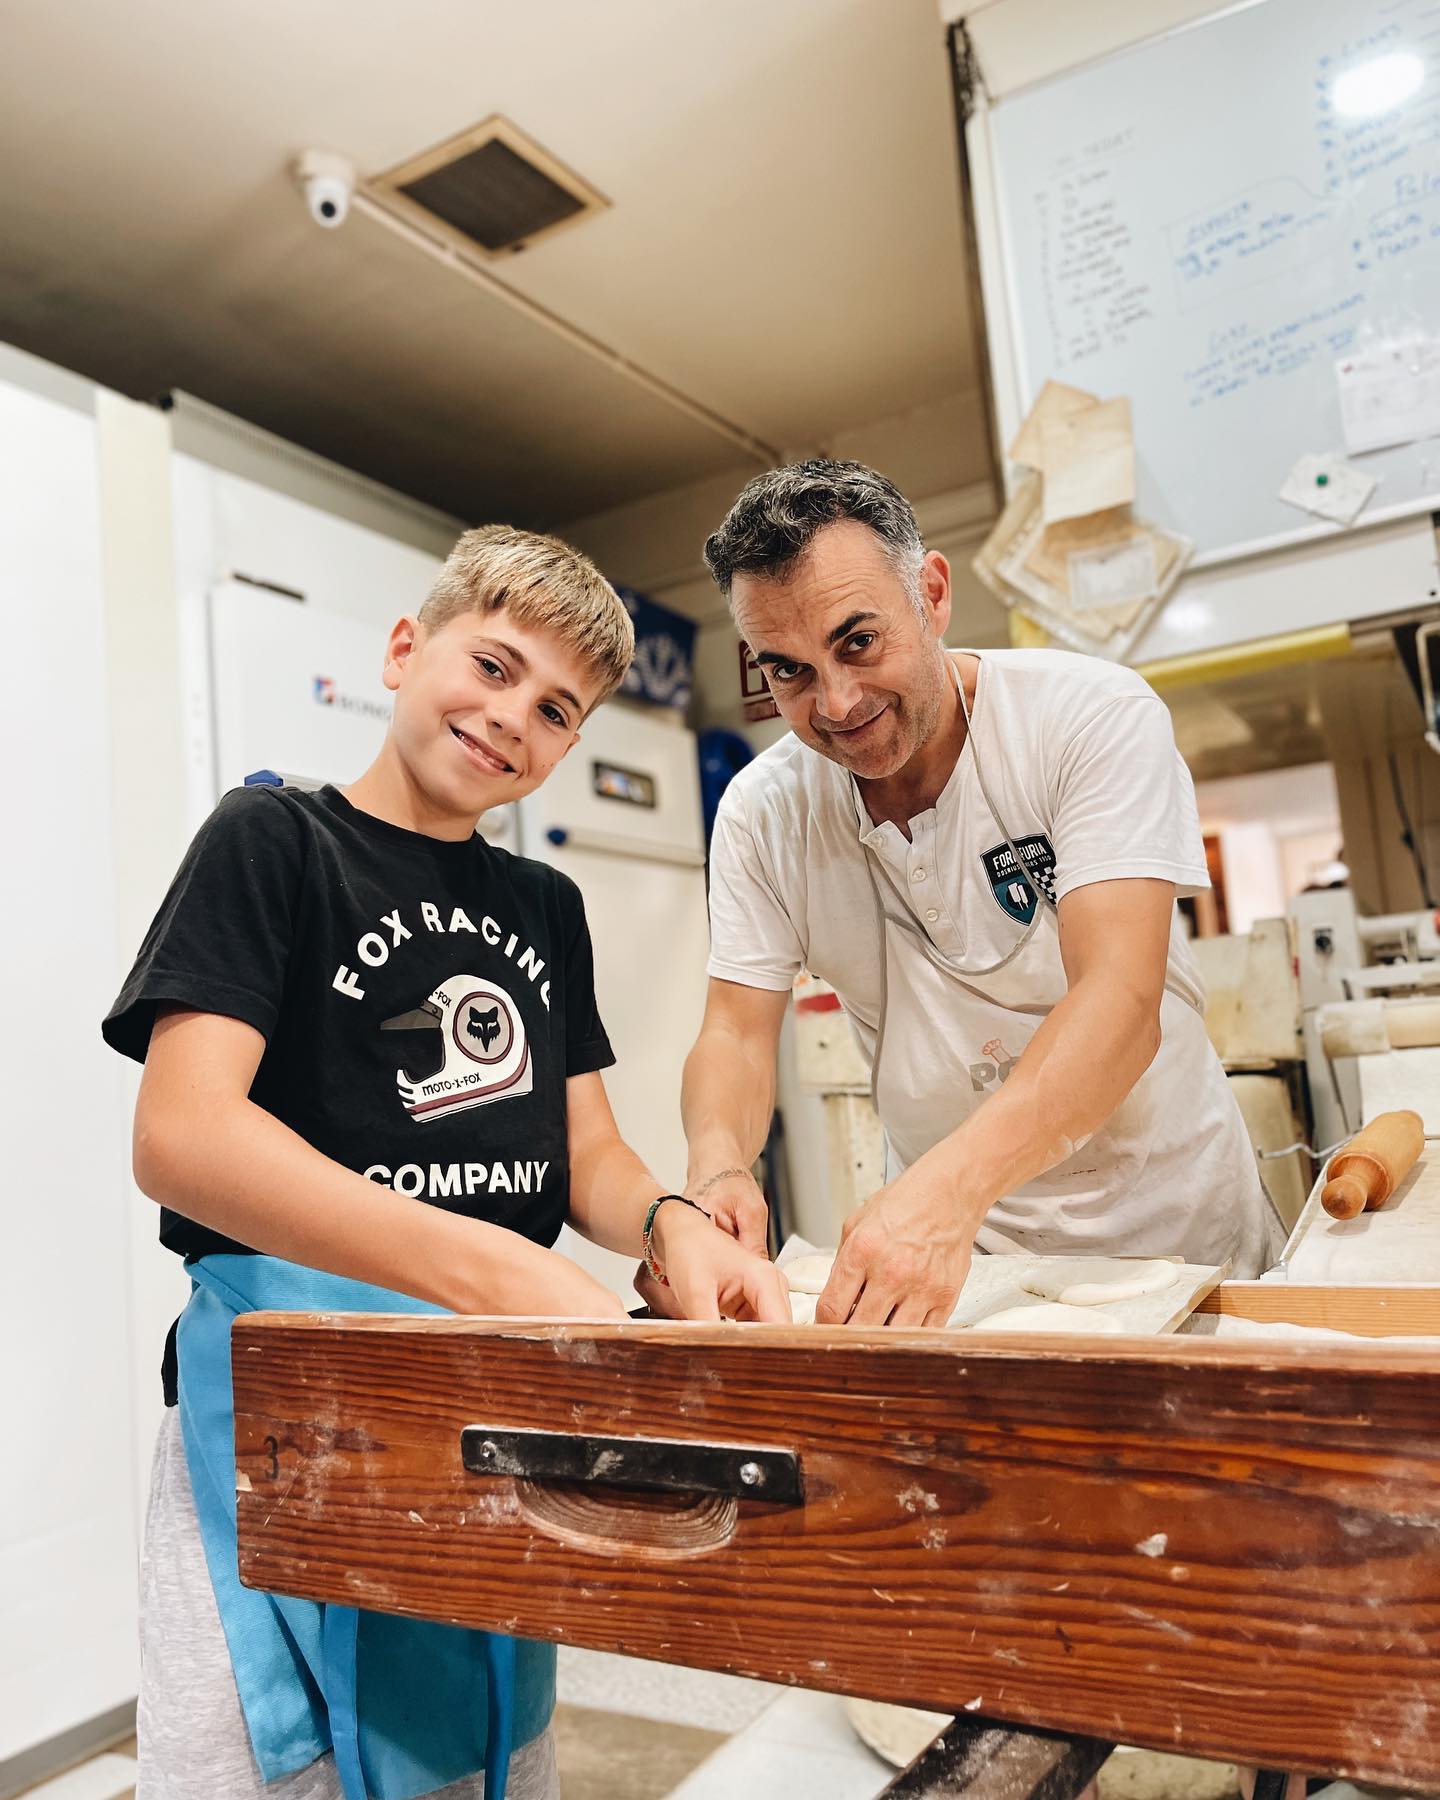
[857, 671]
[484, 707]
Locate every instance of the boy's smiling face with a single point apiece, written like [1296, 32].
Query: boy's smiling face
[484, 708]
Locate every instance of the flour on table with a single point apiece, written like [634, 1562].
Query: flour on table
[1094, 1280]
[1049, 1316]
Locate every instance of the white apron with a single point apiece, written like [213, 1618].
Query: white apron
[1142, 1185]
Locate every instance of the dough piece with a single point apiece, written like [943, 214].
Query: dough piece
[1049, 1317]
[808, 1274]
[1093, 1280]
[802, 1308]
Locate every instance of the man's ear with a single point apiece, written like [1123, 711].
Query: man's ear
[404, 637]
[935, 592]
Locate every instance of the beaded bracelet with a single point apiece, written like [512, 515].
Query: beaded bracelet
[647, 1237]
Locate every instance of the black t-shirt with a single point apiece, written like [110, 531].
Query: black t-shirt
[422, 1001]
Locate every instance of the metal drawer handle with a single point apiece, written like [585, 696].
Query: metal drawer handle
[656, 1465]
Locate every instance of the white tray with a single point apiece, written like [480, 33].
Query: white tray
[1397, 1246]
[995, 1283]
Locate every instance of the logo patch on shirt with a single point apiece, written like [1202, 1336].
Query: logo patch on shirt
[1014, 888]
[485, 1055]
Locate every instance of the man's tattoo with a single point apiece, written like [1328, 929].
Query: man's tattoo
[721, 1175]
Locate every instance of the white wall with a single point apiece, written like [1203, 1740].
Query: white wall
[1273, 829]
[147, 799]
[67, 1504]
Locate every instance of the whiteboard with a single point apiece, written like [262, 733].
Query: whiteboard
[1190, 222]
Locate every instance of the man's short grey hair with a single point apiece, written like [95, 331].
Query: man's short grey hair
[772, 523]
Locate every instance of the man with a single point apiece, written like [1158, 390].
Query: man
[981, 854]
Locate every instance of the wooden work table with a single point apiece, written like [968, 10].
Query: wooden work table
[1220, 1548]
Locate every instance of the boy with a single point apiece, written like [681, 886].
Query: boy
[348, 1003]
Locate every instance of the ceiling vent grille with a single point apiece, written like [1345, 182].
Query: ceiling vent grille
[491, 189]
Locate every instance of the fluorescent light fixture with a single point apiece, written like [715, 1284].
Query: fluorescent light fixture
[1379, 85]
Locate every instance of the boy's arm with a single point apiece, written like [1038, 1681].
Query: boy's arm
[610, 1193]
[727, 1101]
[203, 1148]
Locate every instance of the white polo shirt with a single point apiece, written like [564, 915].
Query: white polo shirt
[1080, 761]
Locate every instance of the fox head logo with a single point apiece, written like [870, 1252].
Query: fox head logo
[485, 1052]
[485, 1026]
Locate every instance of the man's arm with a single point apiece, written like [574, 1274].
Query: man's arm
[204, 1148]
[610, 1193]
[727, 1100]
[906, 1252]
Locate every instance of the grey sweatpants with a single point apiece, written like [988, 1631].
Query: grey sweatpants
[192, 1735]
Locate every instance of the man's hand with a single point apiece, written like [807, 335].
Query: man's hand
[710, 1275]
[733, 1200]
[904, 1254]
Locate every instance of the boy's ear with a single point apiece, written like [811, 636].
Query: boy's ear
[404, 636]
[570, 746]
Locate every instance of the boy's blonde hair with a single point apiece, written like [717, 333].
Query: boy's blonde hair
[542, 583]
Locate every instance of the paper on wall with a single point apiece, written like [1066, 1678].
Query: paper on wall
[1114, 575]
[1390, 394]
[1089, 461]
[1328, 487]
[1055, 401]
[1019, 511]
[1025, 564]
[1047, 602]
[1050, 556]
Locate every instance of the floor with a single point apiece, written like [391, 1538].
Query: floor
[628, 1730]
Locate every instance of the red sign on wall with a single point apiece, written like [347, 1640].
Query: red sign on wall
[753, 691]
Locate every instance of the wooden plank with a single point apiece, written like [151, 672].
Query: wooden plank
[1215, 1548]
[1377, 1312]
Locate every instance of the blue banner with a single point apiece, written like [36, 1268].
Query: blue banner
[663, 671]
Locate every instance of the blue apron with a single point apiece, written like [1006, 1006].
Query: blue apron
[407, 1706]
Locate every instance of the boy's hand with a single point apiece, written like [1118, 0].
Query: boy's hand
[544, 1284]
[734, 1201]
[710, 1274]
[578, 1295]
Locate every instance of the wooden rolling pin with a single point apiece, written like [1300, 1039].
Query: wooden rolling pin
[1364, 1175]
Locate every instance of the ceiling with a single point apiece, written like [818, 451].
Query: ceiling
[783, 243]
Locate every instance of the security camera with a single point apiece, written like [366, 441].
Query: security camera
[327, 182]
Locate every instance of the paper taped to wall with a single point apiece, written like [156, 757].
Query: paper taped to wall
[1329, 488]
[1114, 574]
[1055, 403]
[1089, 461]
[1390, 394]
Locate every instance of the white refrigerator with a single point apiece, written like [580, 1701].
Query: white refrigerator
[621, 816]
